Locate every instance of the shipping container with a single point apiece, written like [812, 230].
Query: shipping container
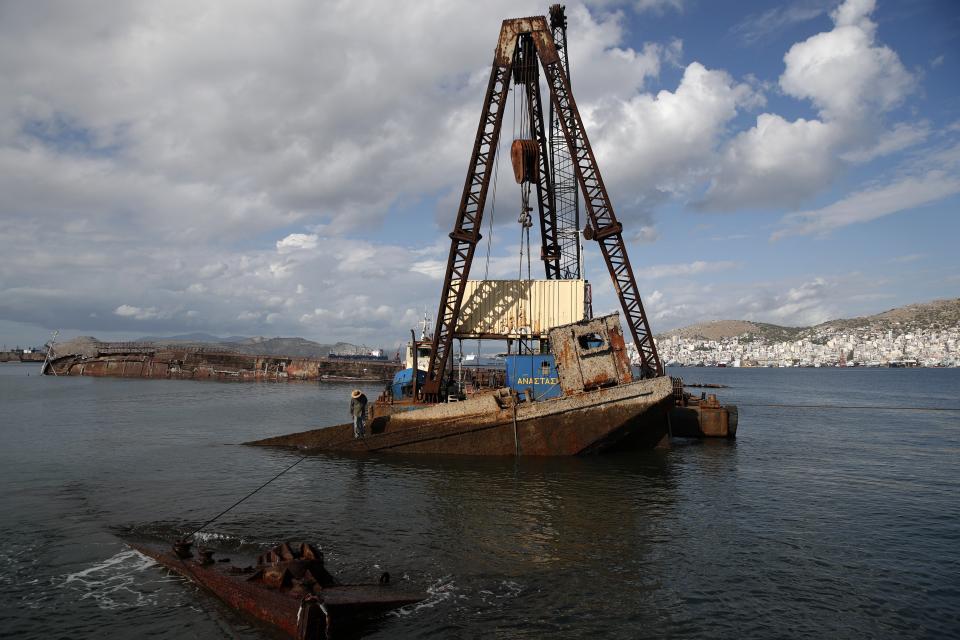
[518, 308]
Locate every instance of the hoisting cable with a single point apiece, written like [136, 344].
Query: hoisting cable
[213, 519]
[493, 211]
[526, 130]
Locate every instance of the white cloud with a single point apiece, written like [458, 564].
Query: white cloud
[792, 301]
[658, 6]
[127, 310]
[776, 162]
[657, 272]
[432, 268]
[803, 305]
[902, 136]
[203, 166]
[870, 204]
[843, 71]
[852, 81]
[297, 241]
[645, 234]
[762, 26]
[797, 303]
[230, 119]
[212, 270]
[911, 257]
[653, 145]
[641, 6]
[139, 313]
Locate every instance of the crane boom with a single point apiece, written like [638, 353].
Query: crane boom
[603, 225]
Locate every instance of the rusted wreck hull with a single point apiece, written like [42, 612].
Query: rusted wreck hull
[198, 365]
[343, 606]
[584, 423]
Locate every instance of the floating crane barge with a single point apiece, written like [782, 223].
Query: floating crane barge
[594, 402]
[572, 389]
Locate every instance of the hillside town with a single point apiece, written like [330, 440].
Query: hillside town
[827, 347]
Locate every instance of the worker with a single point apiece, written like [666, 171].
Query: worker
[358, 409]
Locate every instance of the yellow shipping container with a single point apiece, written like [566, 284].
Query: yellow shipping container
[518, 308]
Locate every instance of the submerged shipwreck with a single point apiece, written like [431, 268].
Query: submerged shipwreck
[581, 398]
[570, 388]
[287, 587]
[88, 357]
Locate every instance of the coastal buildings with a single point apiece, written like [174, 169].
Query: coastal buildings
[827, 347]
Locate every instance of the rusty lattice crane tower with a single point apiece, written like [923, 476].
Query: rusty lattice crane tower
[522, 42]
[564, 177]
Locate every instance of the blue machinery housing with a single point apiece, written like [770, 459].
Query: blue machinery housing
[537, 372]
[527, 372]
[403, 382]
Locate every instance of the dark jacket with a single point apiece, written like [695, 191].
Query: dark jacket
[358, 406]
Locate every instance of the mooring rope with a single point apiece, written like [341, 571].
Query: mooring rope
[851, 406]
[214, 519]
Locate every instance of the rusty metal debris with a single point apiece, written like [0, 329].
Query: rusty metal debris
[287, 587]
[701, 417]
[591, 354]
[187, 363]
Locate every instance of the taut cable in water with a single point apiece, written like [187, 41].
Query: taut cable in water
[214, 518]
[842, 406]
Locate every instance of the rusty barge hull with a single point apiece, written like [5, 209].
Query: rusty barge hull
[190, 364]
[496, 424]
[282, 601]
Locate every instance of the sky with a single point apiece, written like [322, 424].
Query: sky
[293, 168]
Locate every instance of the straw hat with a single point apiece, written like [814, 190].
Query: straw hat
[356, 393]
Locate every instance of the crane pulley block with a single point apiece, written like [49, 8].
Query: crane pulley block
[525, 156]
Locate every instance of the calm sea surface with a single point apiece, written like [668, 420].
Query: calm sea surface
[814, 523]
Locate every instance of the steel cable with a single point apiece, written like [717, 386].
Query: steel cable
[216, 517]
[841, 406]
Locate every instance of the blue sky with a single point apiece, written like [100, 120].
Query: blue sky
[294, 170]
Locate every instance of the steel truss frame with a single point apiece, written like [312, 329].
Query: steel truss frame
[603, 225]
[566, 194]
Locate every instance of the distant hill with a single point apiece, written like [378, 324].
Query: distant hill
[300, 347]
[719, 329]
[190, 337]
[937, 314]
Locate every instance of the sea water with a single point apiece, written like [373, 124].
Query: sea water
[815, 522]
